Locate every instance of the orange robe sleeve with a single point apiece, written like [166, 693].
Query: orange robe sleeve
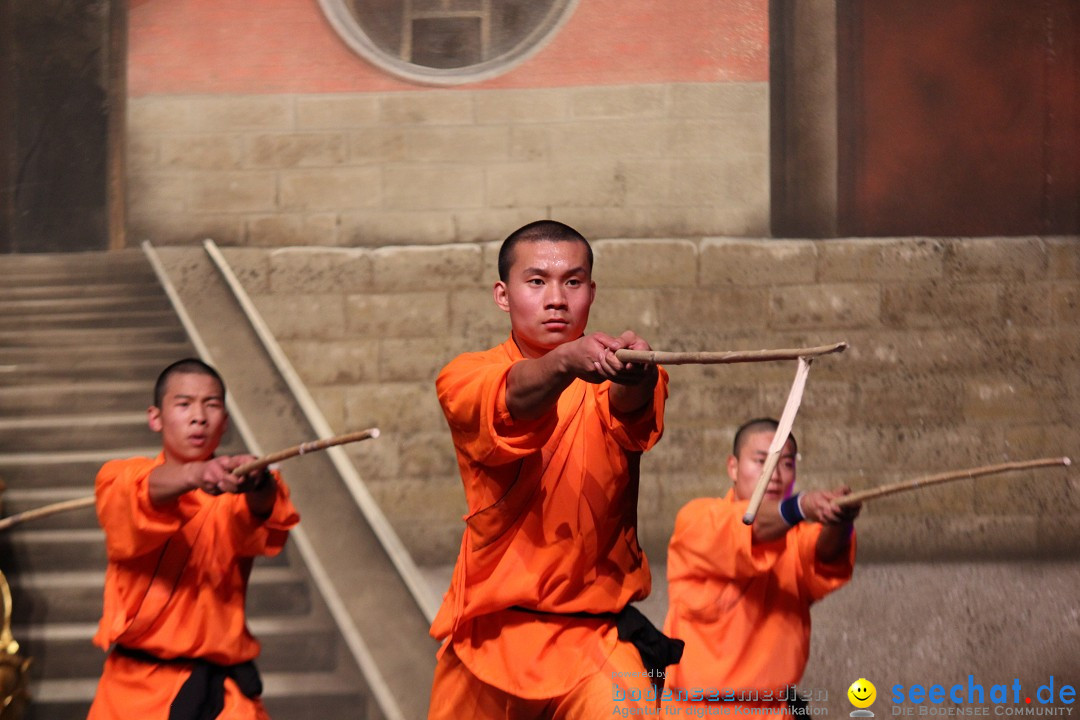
[743, 609]
[201, 611]
[551, 525]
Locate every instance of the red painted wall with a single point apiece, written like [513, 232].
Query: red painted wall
[287, 46]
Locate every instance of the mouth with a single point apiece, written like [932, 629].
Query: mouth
[197, 440]
[555, 323]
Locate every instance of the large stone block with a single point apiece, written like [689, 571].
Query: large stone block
[458, 144]
[319, 112]
[403, 315]
[334, 362]
[306, 270]
[437, 267]
[983, 259]
[522, 106]
[201, 152]
[933, 303]
[398, 409]
[378, 227]
[645, 263]
[233, 191]
[297, 150]
[708, 100]
[340, 189]
[440, 187]
[588, 183]
[757, 262]
[573, 141]
[834, 306]
[303, 316]
[429, 108]
[377, 145]
[616, 310]
[227, 113]
[1064, 257]
[629, 101]
[281, 230]
[715, 311]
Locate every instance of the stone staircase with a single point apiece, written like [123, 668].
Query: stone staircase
[82, 338]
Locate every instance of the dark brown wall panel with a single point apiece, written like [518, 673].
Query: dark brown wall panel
[959, 117]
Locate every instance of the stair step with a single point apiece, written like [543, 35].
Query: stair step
[95, 336]
[153, 300]
[144, 370]
[52, 550]
[90, 397]
[287, 645]
[76, 596]
[145, 289]
[86, 319]
[65, 468]
[289, 696]
[78, 468]
[75, 432]
[73, 359]
[20, 500]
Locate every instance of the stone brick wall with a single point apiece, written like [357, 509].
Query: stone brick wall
[446, 166]
[963, 352]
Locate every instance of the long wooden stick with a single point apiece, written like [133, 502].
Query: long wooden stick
[257, 464]
[303, 449]
[720, 358]
[783, 430]
[906, 485]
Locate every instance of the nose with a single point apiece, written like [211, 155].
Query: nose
[555, 296]
[198, 414]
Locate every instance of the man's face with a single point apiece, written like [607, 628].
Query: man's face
[548, 292]
[192, 417]
[745, 469]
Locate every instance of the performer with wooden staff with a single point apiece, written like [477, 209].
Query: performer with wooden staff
[549, 428]
[181, 532]
[739, 595]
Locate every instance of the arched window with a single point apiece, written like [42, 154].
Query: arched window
[446, 41]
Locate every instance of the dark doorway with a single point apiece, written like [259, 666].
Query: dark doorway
[958, 117]
[61, 111]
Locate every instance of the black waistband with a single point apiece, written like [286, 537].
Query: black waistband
[202, 696]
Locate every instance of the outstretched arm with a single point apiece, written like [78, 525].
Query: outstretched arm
[168, 482]
[533, 386]
[816, 506]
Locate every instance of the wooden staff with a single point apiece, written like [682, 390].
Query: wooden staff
[257, 464]
[783, 430]
[721, 358]
[873, 493]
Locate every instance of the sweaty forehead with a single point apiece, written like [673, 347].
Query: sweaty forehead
[558, 255]
[194, 384]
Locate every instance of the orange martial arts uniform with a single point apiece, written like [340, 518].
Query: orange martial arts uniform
[175, 587]
[551, 528]
[743, 609]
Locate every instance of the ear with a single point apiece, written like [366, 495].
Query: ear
[501, 297]
[732, 467]
[153, 418]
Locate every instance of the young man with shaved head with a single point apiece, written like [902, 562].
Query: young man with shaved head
[739, 595]
[549, 428]
[181, 532]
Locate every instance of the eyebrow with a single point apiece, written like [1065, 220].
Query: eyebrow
[579, 270]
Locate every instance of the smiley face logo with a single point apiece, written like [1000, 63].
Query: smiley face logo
[862, 693]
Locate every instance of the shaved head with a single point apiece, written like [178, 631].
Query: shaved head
[755, 426]
[539, 231]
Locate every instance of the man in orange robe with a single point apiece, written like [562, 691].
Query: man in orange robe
[548, 428]
[181, 532]
[739, 595]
